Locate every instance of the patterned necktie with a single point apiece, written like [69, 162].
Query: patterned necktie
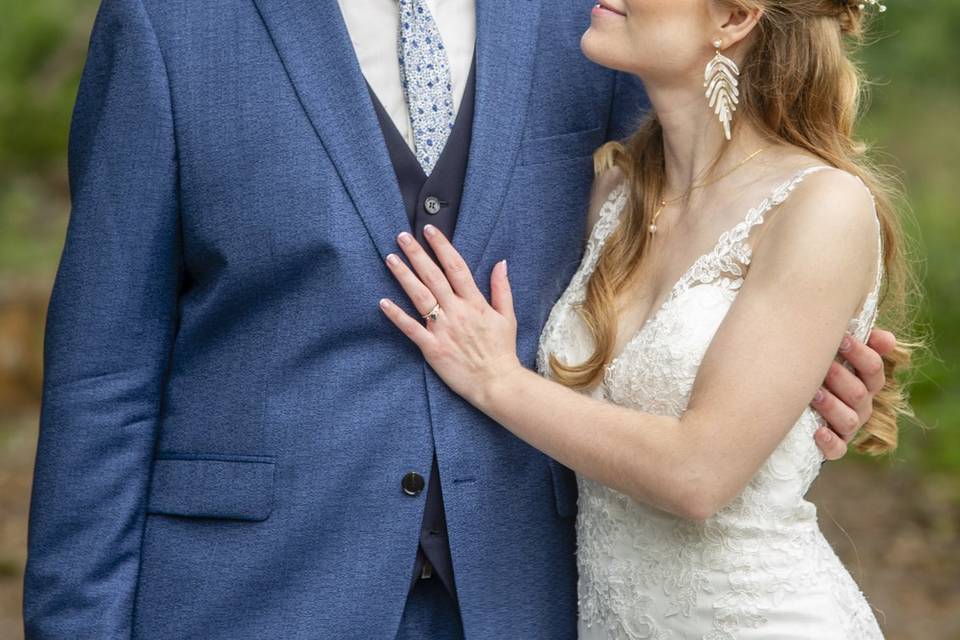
[425, 77]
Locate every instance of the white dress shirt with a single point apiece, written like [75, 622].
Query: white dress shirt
[373, 26]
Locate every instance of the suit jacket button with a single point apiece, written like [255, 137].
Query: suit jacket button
[413, 484]
[432, 205]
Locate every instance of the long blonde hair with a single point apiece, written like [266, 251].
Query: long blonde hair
[799, 85]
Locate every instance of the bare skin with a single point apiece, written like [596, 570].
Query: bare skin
[786, 327]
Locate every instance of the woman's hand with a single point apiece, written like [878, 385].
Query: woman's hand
[472, 345]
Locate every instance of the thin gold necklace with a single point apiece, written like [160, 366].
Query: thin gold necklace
[664, 203]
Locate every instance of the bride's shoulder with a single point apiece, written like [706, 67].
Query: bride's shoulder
[603, 185]
[829, 211]
[829, 201]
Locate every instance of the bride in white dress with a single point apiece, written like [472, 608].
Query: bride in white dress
[722, 269]
[757, 568]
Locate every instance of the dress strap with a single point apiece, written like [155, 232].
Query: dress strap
[607, 219]
[778, 196]
[868, 312]
[732, 252]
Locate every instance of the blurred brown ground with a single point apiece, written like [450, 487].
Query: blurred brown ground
[895, 531]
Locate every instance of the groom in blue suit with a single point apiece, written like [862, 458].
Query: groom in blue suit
[234, 442]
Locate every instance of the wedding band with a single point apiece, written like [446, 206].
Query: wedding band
[434, 313]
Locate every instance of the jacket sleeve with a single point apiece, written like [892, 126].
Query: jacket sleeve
[109, 328]
[628, 106]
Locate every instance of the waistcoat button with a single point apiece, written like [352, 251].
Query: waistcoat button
[432, 205]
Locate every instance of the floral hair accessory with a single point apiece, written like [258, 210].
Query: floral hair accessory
[862, 4]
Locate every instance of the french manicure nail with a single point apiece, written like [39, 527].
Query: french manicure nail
[429, 230]
[846, 344]
[392, 260]
[405, 238]
[384, 303]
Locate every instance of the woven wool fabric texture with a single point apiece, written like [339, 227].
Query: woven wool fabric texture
[227, 416]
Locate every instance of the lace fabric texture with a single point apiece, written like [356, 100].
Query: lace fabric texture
[760, 568]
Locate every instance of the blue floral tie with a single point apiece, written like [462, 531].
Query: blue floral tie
[425, 77]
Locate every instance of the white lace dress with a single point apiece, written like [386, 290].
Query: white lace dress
[760, 568]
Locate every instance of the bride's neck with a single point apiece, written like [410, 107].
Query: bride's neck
[693, 138]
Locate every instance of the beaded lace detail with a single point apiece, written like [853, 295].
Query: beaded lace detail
[758, 568]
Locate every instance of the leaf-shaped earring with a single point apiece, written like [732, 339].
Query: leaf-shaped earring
[721, 79]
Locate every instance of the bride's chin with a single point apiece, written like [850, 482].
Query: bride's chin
[591, 44]
[594, 48]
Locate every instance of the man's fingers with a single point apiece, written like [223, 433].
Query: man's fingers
[458, 273]
[882, 341]
[833, 448]
[501, 296]
[843, 420]
[849, 390]
[866, 361]
[427, 270]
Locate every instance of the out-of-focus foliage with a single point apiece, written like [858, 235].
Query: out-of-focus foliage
[42, 48]
[912, 121]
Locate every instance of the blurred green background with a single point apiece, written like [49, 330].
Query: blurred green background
[895, 522]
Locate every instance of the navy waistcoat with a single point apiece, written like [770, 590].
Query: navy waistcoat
[433, 199]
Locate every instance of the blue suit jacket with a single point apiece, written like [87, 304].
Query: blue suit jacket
[226, 413]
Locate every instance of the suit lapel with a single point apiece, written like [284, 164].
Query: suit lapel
[506, 43]
[314, 45]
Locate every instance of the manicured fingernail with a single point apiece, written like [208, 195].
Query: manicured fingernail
[405, 238]
[504, 267]
[819, 396]
[384, 303]
[393, 260]
[823, 436]
[429, 230]
[846, 344]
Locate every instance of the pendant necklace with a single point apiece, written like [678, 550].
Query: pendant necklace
[664, 203]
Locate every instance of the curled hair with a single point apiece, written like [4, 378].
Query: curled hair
[800, 86]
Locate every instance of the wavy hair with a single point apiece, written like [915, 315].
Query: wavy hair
[799, 85]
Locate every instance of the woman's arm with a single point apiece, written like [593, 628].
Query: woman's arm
[846, 398]
[766, 361]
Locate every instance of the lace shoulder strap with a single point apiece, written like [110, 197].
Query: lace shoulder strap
[607, 219]
[863, 323]
[732, 252]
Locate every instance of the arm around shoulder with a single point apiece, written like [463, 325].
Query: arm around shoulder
[108, 335]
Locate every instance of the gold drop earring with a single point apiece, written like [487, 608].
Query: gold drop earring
[721, 78]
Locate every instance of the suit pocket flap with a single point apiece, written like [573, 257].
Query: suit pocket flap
[200, 485]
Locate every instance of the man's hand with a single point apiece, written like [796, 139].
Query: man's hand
[846, 399]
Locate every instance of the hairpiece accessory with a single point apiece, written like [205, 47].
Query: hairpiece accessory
[862, 4]
[721, 78]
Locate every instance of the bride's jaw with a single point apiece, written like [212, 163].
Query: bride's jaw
[667, 44]
[647, 37]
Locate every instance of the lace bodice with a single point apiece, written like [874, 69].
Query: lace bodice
[647, 574]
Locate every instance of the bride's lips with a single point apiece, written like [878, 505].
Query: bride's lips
[604, 8]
